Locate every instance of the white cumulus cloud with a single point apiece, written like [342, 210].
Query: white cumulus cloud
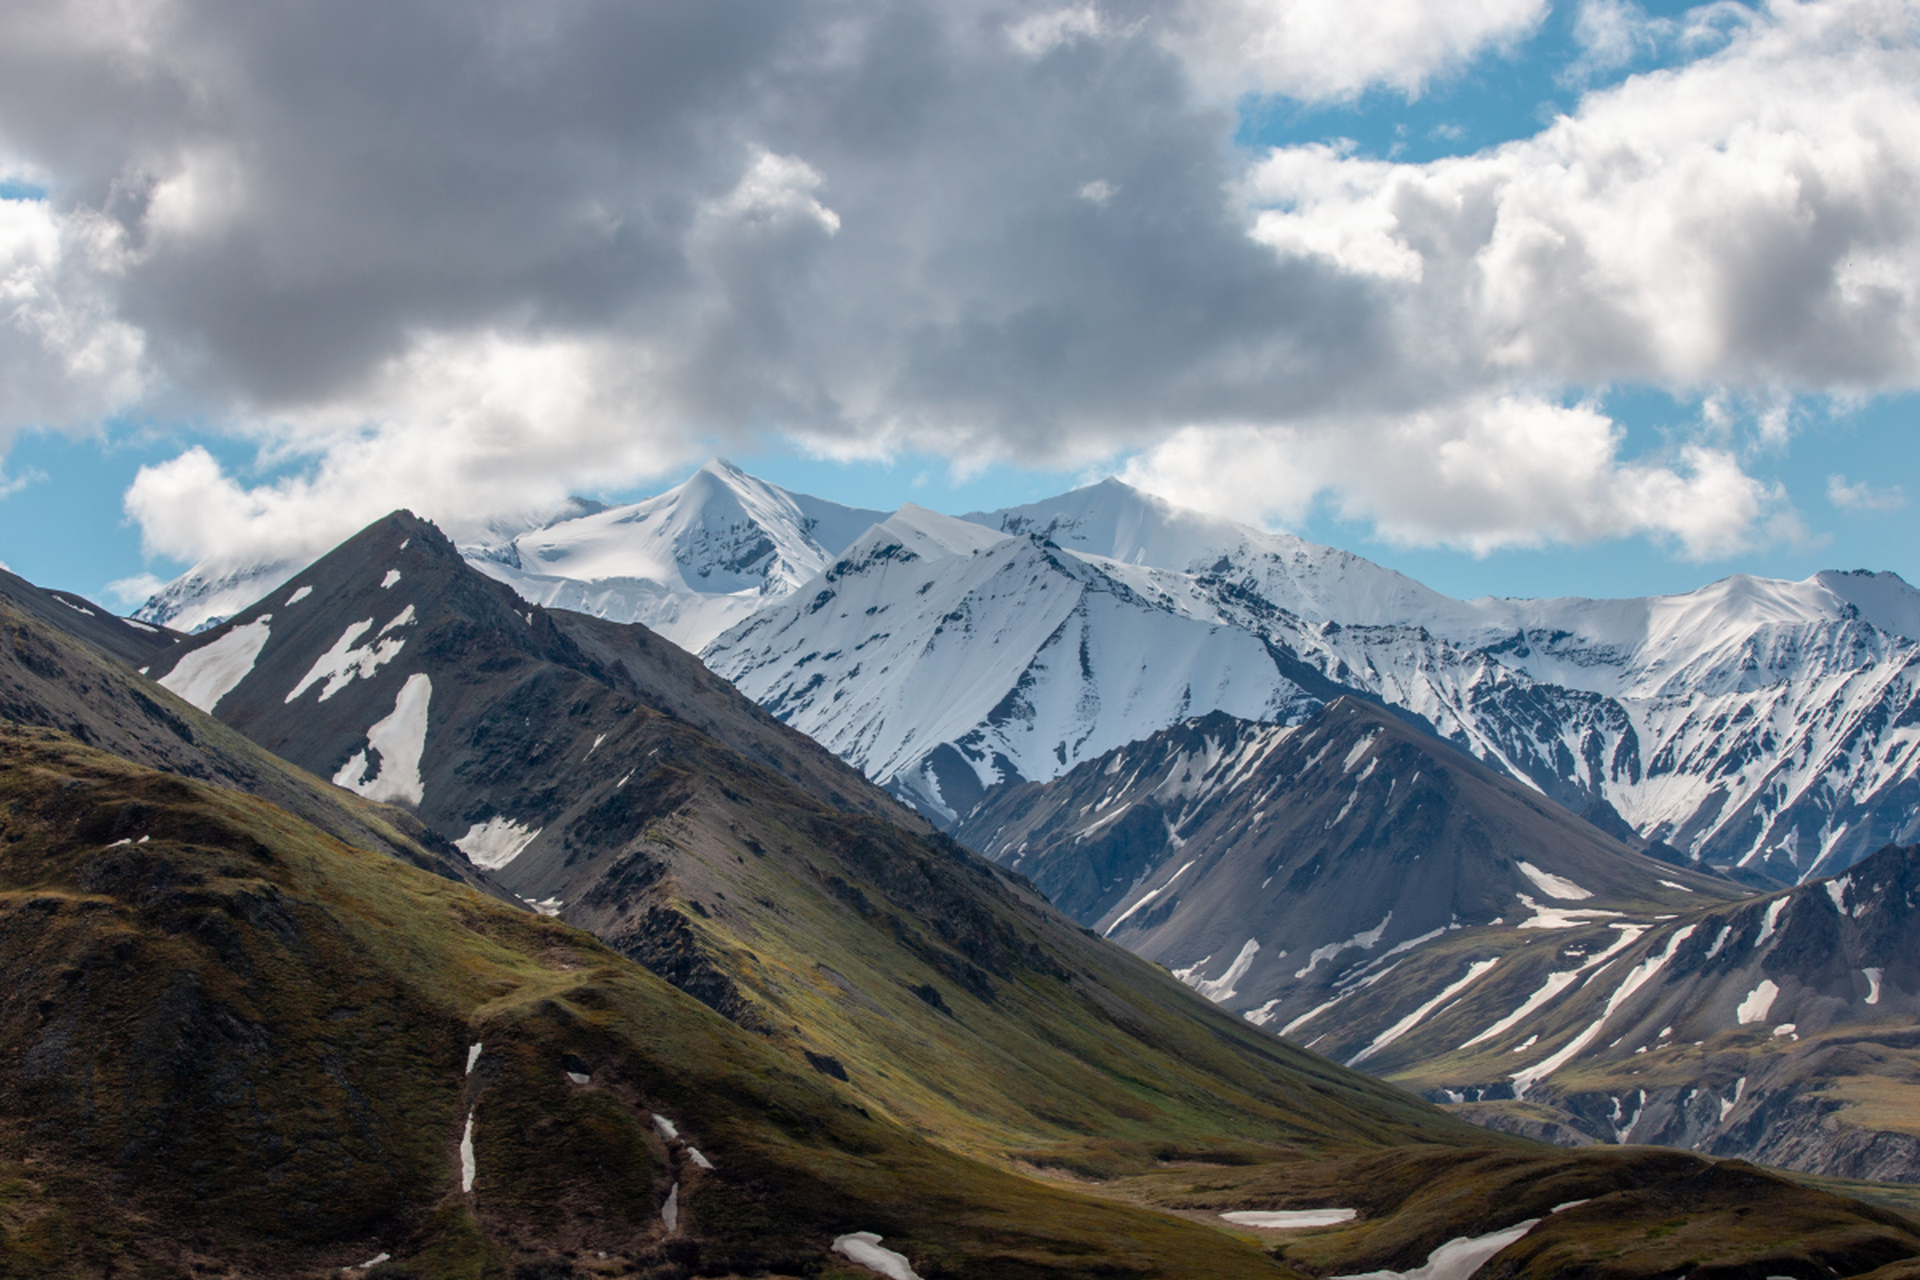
[1481, 475]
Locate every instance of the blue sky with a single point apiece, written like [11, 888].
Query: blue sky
[1007, 275]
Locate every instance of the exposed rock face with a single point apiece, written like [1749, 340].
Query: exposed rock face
[1363, 890]
[1276, 868]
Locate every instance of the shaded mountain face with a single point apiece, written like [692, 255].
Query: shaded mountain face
[232, 1044]
[1751, 724]
[688, 563]
[1274, 867]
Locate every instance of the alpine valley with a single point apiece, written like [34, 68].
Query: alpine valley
[738, 883]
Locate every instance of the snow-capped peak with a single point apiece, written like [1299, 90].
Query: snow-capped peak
[689, 562]
[1116, 522]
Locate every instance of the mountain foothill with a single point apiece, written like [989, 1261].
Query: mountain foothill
[741, 884]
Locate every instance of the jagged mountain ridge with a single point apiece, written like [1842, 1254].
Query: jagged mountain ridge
[1378, 897]
[1016, 658]
[221, 585]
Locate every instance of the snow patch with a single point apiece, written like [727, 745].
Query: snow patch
[1356, 751]
[1144, 900]
[496, 842]
[1221, 988]
[400, 739]
[341, 665]
[210, 673]
[467, 1167]
[693, 1154]
[1837, 890]
[473, 1056]
[1366, 939]
[1289, 1219]
[393, 576]
[1414, 1019]
[1759, 1000]
[1674, 884]
[1873, 977]
[666, 1128]
[1457, 1258]
[1771, 921]
[1559, 917]
[864, 1248]
[1728, 1104]
[670, 1211]
[1719, 941]
[1553, 886]
[300, 594]
[579, 1077]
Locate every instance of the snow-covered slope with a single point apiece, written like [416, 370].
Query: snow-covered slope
[688, 563]
[1115, 522]
[942, 658]
[1764, 725]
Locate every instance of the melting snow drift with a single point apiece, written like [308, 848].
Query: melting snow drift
[1289, 1219]
[864, 1248]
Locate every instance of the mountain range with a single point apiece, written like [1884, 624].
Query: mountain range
[243, 1040]
[1759, 726]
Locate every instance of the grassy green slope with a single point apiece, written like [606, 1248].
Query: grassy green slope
[232, 1043]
